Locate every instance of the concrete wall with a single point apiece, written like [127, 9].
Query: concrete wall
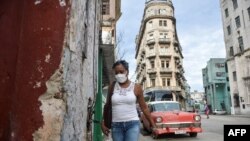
[48, 65]
[239, 61]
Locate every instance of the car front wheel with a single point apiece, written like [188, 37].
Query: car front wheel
[193, 134]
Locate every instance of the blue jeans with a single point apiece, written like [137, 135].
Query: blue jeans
[125, 131]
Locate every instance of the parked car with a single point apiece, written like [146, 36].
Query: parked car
[219, 112]
[170, 119]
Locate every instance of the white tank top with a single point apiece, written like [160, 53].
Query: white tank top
[124, 104]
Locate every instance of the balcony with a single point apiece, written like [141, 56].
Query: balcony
[177, 57]
[176, 42]
[152, 70]
[151, 54]
[142, 53]
[170, 88]
[143, 63]
[150, 41]
[164, 41]
[165, 70]
[165, 54]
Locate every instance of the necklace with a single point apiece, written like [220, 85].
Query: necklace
[123, 91]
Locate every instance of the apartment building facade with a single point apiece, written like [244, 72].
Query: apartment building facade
[216, 85]
[236, 25]
[158, 51]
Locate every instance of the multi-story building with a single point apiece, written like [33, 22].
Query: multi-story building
[158, 51]
[198, 100]
[236, 25]
[111, 12]
[198, 97]
[189, 102]
[215, 82]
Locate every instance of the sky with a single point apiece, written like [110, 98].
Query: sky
[199, 29]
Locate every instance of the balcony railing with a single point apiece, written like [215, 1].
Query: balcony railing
[152, 70]
[143, 63]
[176, 42]
[165, 70]
[169, 88]
[150, 41]
[164, 40]
[164, 53]
[151, 54]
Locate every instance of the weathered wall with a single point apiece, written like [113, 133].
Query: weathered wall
[31, 45]
[9, 32]
[82, 41]
[48, 65]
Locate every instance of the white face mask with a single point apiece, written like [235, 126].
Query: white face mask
[121, 78]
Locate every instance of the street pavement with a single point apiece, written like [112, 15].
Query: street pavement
[212, 129]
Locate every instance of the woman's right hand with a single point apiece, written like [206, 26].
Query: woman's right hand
[105, 130]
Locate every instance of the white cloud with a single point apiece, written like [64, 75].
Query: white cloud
[198, 47]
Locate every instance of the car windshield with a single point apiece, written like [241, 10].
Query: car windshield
[165, 106]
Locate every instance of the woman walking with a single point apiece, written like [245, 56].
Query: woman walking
[125, 121]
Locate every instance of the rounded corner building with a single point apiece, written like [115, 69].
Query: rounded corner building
[159, 54]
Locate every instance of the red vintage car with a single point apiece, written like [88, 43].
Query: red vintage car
[170, 119]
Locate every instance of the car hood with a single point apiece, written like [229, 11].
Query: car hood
[174, 116]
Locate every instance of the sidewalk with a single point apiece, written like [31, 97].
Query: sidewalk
[244, 116]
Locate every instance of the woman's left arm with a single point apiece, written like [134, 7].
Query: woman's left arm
[143, 105]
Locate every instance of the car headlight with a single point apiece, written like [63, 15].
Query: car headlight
[158, 119]
[197, 118]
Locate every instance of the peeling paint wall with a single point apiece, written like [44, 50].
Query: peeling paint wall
[80, 67]
[48, 65]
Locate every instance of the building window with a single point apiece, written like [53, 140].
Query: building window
[163, 11]
[167, 64]
[160, 23]
[152, 64]
[163, 64]
[150, 24]
[241, 44]
[234, 76]
[165, 23]
[235, 4]
[105, 7]
[229, 30]
[237, 21]
[248, 9]
[231, 51]
[168, 82]
[163, 81]
[226, 12]
[163, 35]
[220, 74]
[152, 82]
[151, 47]
[151, 35]
[236, 100]
[220, 65]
